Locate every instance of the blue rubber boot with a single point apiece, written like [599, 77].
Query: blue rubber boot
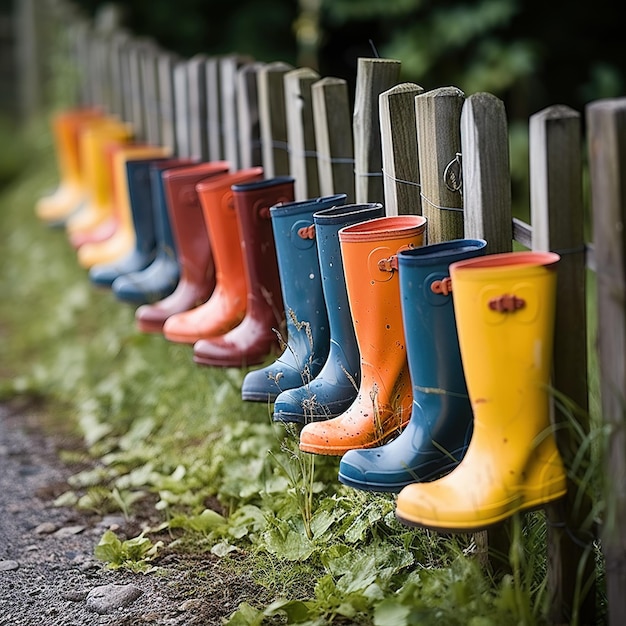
[436, 437]
[334, 389]
[159, 279]
[308, 335]
[141, 203]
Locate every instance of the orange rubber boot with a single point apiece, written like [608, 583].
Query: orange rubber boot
[122, 240]
[56, 207]
[97, 209]
[504, 307]
[226, 307]
[384, 402]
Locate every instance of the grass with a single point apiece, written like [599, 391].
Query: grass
[163, 433]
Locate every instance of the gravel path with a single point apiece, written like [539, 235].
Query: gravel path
[48, 574]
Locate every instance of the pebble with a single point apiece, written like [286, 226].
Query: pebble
[45, 528]
[69, 530]
[6, 566]
[109, 598]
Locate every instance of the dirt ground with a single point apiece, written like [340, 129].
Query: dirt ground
[48, 573]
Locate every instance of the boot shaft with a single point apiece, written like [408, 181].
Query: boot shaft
[252, 205]
[369, 251]
[505, 306]
[218, 206]
[187, 220]
[428, 317]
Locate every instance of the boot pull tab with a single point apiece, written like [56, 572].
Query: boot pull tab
[389, 264]
[307, 232]
[264, 212]
[506, 303]
[442, 287]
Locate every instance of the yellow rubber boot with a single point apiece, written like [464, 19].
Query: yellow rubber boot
[98, 206]
[54, 208]
[122, 241]
[384, 401]
[504, 306]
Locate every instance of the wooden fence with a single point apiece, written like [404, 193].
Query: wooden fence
[443, 154]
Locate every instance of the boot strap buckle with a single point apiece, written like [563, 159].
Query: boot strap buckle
[443, 286]
[507, 303]
[389, 264]
[307, 232]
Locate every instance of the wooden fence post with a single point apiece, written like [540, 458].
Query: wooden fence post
[400, 164]
[486, 189]
[372, 78]
[248, 115]
[273, 119]
[300, 132]
[557, 220]
[166, 106]
[486, 178]
[149, 87]
[215, 127]
[197, 107]
[606, 133]
[333, 137]
[181, 106]
[437, 115]
[229, 66]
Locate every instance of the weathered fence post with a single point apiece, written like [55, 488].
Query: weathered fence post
[486, 189]
[400, 163]
[149, 84]
[486, 178]
[373, 77]
[197, 107]
[181, 106]
[300, 132]
[248, 115]
[229, 66]
[437, 115]
[557, 224]
[273, 119]
[606, 132]
[333, 137]
[166, 107]
[214, 110]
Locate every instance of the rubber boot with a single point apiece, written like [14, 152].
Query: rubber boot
[96, 212]
[440, 428]
[160, 278]
[55, 207]
[308, 335]
[195, 257]
[123, 239]
[256, 337]
[383, 403]
[141, 205]
[504, 306]
[335, 387]
[226, 307]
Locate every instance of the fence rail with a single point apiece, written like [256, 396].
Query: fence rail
[434, 152]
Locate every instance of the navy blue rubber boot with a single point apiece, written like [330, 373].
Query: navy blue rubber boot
[141, 202]
[334, 389]
[308, 334]
[159, 278]
[438, 433]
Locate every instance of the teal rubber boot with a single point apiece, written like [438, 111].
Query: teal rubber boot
[308, 335]
[334, 389]
[438, 433]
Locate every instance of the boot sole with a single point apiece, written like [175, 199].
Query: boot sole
[525, 506]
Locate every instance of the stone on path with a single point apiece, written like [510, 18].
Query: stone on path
[109, 598]
[5, 566]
